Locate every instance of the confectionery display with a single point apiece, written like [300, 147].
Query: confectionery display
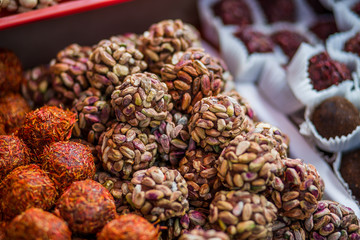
[144, 135]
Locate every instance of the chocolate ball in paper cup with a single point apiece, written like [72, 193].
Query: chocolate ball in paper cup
[334, 124]
[246, 51]
[313, 75]
[347, 170]
[347, 14]
[353, 94]
[323, 26]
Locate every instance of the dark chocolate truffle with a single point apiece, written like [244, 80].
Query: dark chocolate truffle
[233, 12]
[353, 44]
[288, 41]
[255, 41]
[317, 6]
[356, 8]
[335, 116]
[323, 28]
[278, 10]
[325, 72]
[350, 171]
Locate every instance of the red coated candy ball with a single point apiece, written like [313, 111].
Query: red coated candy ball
[13, 153]
[67, 162]
[46, 125]
[11, 73]
[13, 110]
[129, 227]
[26, 187]
[86, 206]
[35, 224]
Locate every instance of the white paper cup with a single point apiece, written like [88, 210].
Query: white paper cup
[336, 42]
[274, 77]
[345, 18]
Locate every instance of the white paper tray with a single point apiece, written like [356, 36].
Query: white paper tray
[299, 147]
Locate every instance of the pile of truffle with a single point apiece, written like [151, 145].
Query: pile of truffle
[176, 156]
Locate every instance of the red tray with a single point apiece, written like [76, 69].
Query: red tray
[62, 9]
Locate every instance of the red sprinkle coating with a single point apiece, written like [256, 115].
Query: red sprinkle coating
[67, 162]
[13, 153]
[86, 206]
[129, 227]
[325, 72]
[26, 187]
[46, 125]
[35, 224]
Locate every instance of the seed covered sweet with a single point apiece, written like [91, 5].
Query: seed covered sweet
[332, 220]
[242, 215]
[297, 190]
[111, 61]
[46, 125]
[194, 76]
[200, 234]
[215, 121]
[159, 193]
[25, 187]
[37, 89]
[198, 169]
[126, 149]
[86, 206]
[67, 162]
[164, 39]
[129, 227]
[69, 70]
[172, 136]
[93, 114]
[284, 228]
[141, 100]
[249, 163]
[13, 153]
[34, 224]
[13, 110]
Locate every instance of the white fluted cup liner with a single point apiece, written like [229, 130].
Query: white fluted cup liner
[345, 18]
[208, 18]
[336, 166]
[274, 77]
[300, 83]
[336, 42]
[304, 13]
[245, 67]
[337, 144]
[353, 94]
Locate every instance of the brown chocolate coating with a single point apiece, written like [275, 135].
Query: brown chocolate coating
[350, 171]
[255, 41]
[335, 116]
[353, 44]
[278, 10]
